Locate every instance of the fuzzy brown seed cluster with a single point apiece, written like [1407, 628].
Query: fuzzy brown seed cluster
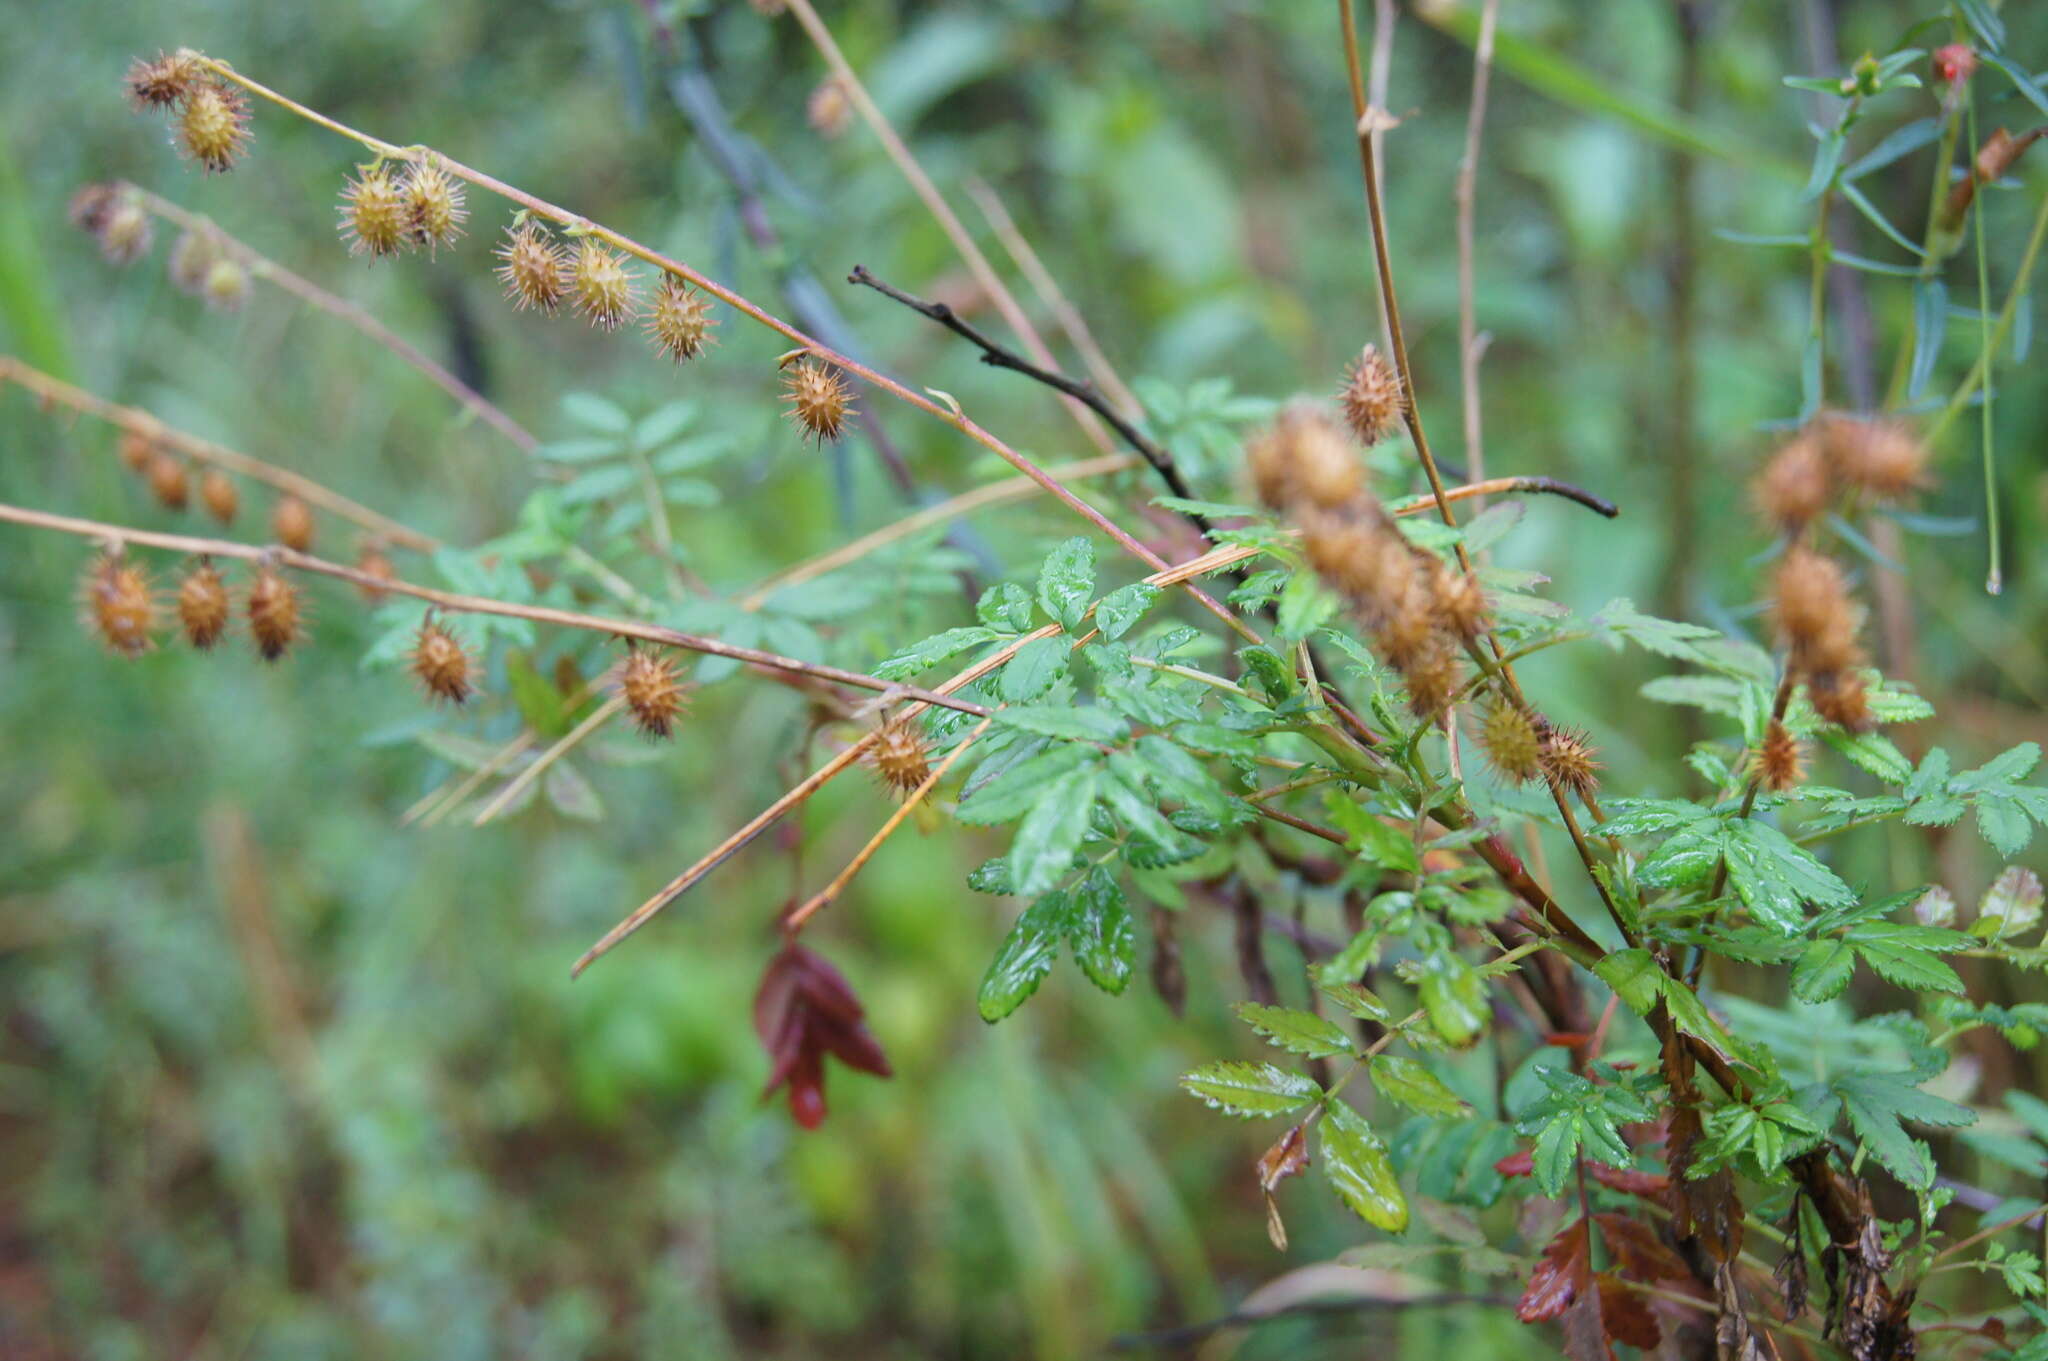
[119, 605]
[532, 268]
[137, 450]
[1817, 622]
[1883, 459]
[1780, 761]
[275, 616]
[441, 664]
[602, 286]
[819, 400]
[168, 481]
[291, 523]
[161, 83]
[1880, 459]
[114, 219]
[211, 125]
[828, 110]
[647, 682]
[680, 322]
[899, 755]
[203, 606]
[1372, 397]
[373, 561]
[1304, 461]
[218, 494]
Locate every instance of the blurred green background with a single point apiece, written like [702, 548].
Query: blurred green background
[282, 1079]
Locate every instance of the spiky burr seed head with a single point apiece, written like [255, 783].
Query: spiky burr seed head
[1303, 462]
[375, 217]
[291, 523]
[434, 206]
[1882, 458]
[274, 615]
[603, 286]
[137, 449]
[1510, 741]
[218, 494]
[372, 561]
[440, 663]
[1816, 620]
[1794, 486]
[213, 125]
[120, 606]
[1780, 762]
[532, 267]
[828, 110]
[818, 398]
[899, 756]
[1372, 397]
[227, 285]
[1568, 760]
[203, 607]
[1841, 698]
[647, 682]
[167, 480]
[160, 83]
[126, 233]
[192, 258]
[680, 322]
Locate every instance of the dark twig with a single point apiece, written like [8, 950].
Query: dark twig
[1000, 357]
[1195, 1332]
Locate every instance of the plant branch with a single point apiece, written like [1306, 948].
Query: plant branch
[472, 604]
[1467, 195]
[997, 356]
[540, 765]
[306, 291]
[206, 451]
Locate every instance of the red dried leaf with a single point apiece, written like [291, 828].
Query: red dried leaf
[804, 1010]
[1638, 1252]
[1649, 1185]
[1585, 1331]
[1520, 1164]
[1563, 1274]
[1625, 1314]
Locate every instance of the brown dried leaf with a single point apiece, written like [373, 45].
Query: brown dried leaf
[1287, 1158]
[1638, 1252]
[2000, 150]
[1625, 1314]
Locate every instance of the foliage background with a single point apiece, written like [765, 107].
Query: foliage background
[279, 1080]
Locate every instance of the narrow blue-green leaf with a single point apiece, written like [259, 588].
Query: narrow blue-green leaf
[1900, 142]
[1760, 239]
[1930, 325]
[1878, 220]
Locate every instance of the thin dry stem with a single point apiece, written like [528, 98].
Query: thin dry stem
[948, 412]
[472, 604]
[1467, 196]
[263, 267]
[935, 203]
[830, 893]
[1072, 324]
[541, 763]
[206, 451]
[995, 493]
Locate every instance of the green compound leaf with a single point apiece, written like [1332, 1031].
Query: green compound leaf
[1250, 1089]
